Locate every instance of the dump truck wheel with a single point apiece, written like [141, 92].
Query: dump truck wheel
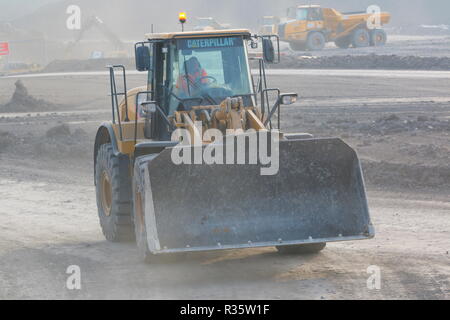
[302, 248]
[113, 197]
[378, 38]
[316, 41]
[297, 46]
[361, 38]
[343, 43]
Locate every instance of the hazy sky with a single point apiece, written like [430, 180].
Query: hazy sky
[132, 17]
[11, 9]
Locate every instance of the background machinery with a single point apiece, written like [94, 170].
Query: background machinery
[316, 196]
[95, 22]
[311, 27]
[269, 25]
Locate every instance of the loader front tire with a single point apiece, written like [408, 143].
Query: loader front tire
[302, 248]
[113, 196]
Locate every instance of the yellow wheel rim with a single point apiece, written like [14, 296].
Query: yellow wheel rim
[106, 193]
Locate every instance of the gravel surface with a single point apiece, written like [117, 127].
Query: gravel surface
[399, 126]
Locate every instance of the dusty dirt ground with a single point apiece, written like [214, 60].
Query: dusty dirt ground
[399, 125]
[401, 45]
[401, 52]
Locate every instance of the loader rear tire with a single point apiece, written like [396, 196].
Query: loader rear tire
[360, 38]
[113, 196]
[316, 41]
[302, 248]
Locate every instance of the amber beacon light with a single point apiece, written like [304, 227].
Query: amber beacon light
[182, 18]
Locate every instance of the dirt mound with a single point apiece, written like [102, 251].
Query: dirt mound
[372, 61]
[87, 65]
[22, 101]
[6, 140]
[59, 143]
[62, 142]
[58, 132]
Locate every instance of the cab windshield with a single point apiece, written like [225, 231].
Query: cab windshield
[302, 14]
[205, 71]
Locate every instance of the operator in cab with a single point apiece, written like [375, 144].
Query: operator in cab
[193, 77]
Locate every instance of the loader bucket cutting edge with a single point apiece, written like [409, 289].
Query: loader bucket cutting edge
[318, 195]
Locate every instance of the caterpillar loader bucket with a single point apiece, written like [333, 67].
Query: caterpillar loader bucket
[318, 195]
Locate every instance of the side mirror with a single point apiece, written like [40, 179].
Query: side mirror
[145, 108]
[148, 107]
[142, 55]
[268, 50]
[288, 99]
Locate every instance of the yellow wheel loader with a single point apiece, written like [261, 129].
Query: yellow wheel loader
[183, 165]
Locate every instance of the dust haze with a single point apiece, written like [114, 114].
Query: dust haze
[391, 104]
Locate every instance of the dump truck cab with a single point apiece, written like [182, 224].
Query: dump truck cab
[269, 25]
[305, 13]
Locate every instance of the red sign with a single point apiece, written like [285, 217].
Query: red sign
[4, 48]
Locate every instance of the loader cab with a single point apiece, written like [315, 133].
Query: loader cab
[194, 69]
[205, 71]
[195, 72]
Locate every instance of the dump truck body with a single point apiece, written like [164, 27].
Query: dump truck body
[202, 164]
[304, 21]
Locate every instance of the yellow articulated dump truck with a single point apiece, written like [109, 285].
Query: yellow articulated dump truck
[195, 159]
[311, 27]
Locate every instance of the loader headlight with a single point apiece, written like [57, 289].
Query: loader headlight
[289, 98]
